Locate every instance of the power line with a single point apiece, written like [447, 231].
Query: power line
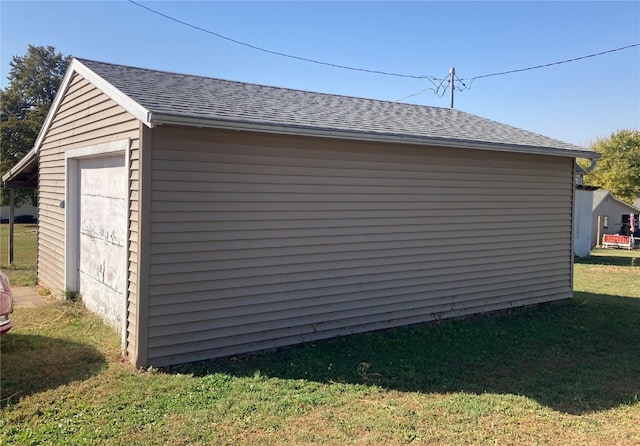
[439, 90]
[467, 82]
[553, 63]
[277, 53]
[463, 84]
[441, 85]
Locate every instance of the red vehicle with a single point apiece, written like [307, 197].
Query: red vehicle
[6, 304]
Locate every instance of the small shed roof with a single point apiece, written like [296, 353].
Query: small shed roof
[24, 173]
[600, 195]
[160, 97]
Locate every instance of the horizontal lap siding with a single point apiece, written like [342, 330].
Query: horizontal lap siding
[259, 241]
[85, 117]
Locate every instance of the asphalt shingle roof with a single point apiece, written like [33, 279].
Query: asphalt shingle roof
[600, 195]
[195, 97]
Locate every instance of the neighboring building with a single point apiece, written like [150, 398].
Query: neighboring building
[613, 215]
[582, 207]
[205, 217]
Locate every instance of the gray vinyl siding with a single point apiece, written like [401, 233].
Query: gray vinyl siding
[258, 241]
[84, 117]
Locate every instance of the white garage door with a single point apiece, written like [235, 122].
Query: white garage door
[102, 223]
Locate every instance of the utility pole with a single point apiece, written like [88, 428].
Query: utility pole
[452, 73]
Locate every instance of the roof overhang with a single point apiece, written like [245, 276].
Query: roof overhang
[159, 119]
[23, 174]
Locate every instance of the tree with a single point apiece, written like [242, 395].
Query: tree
[34, 80]
[618, 170]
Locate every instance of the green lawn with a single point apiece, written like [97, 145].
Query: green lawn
[561, 374]
[23, 270]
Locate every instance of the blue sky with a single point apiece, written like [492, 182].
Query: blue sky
[575, 102]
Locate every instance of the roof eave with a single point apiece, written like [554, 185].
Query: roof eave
[12, 175]
[161, 118]
[32, 154]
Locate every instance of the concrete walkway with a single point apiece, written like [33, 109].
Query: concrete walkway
[27, 297]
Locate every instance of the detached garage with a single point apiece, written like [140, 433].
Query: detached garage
[203, 217]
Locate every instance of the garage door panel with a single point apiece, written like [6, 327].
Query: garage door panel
[99, 261]
[102, 219]
[99, 299]
[100, 175]
[102, 237]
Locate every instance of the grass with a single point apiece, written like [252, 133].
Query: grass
[565, 373]
[23, 270]
[609, 272]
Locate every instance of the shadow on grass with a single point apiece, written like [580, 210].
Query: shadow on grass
[34, 363]
[631, 260]
[576, 357]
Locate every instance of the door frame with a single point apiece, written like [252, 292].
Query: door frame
[72, 213]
